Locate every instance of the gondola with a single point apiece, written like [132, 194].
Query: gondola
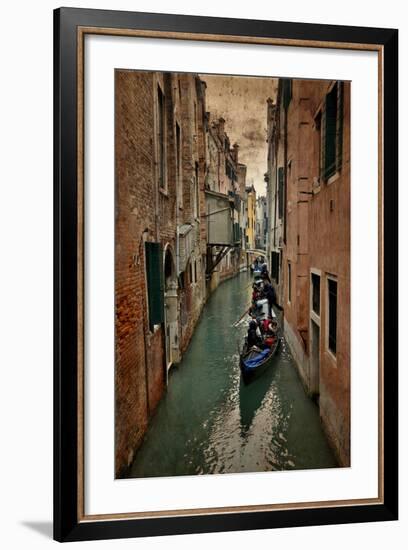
[253, 362]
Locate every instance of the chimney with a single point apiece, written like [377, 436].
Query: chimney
[235, 152]
[271, 107]
[221, 125]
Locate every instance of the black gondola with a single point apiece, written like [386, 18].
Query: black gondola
[255, 361]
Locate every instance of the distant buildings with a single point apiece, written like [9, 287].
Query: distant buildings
[225, 194]
[308, 242]
[179, 214]
[261, 224]
[250, 215]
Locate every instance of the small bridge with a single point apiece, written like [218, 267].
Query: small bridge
[256, 251]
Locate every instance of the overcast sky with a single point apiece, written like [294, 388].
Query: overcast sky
[241, 101]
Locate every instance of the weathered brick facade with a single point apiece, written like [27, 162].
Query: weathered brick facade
[315, 233]
[226, 176]
[160, 177]
[139, 375]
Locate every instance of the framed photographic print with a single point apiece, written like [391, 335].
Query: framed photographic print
[225, 274]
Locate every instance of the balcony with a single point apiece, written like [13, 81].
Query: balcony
[219, 217]
[186, 235]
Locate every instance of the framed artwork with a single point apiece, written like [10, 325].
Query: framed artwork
[225, 274]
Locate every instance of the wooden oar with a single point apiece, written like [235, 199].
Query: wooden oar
[242, 316]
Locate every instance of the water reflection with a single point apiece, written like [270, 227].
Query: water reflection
[252, 395]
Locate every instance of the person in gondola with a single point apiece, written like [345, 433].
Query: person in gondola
[254, 337]
[266, 326]
[265, 273]
[269, 331]
[255, 293]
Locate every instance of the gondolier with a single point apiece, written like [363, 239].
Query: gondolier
[270, 295]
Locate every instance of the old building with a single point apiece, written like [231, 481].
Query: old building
[250, 208]
[275, 184]
[160, 253]
[309, 174]
[241, 173]
[261, 226]
[225, 185]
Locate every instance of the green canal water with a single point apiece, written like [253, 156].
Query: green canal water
[209, 422]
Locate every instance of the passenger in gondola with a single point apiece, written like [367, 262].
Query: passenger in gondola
[266, 326]
[255, 293]
[265, 273]
[269, 330]
[254, 337]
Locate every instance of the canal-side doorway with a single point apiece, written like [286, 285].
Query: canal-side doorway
[314, 359]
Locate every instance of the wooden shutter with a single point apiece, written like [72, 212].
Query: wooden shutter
[330, 133]
[287, 92]
[339, 126]
[155, 283]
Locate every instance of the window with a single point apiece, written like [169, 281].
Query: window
[179, 88]
[178, 167]
[316, 293]
[286, 91]
[155, 283]
[332, 131]
[332, 314]
[161, 131]
[275, 266]
[281, 176]
[191, 273]
[289, 282]
[196, 197]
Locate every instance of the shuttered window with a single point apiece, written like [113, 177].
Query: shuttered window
[316, 293]
[275, 266]
[281, 178]
[289, 282]
[287, 92]
[155, 283]
[161, 135]
[332, 299]
[332, 135]
[339, 126]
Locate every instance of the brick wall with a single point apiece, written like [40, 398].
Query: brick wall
[148, 210]
[318, 238]
[139, 361]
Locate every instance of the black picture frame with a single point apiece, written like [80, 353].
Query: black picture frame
[67, 526]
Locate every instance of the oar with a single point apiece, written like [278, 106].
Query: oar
[242, 316]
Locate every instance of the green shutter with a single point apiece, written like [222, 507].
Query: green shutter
[339, 126]
[237, 235]
[330, 133]
[155, 283]
[280, 191]
[287, 92]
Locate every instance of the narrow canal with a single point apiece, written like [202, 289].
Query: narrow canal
[209, 422]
